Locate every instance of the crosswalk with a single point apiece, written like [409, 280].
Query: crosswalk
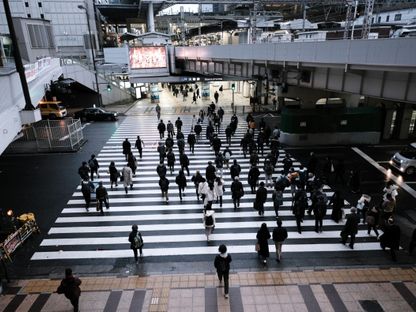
[176, 228]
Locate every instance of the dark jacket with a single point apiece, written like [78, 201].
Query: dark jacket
[161, 170]
[237, 190]
[164, 184]
[222, 264]
[261, 195]
[210, 172]
[101, 192]
[126, 147]
[262, 237]
[351, 225]
[184, 160]
[191, 139]
[181, 180]
[235, 170]
[279, 234]
[161, 127]
[70, 287]
[391, 237]
[132, 235]
[253, 176]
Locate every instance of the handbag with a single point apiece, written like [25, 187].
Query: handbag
[257, 247]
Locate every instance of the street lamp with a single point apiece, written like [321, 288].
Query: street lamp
[81, 7]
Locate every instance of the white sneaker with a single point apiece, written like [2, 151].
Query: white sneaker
[226, 296]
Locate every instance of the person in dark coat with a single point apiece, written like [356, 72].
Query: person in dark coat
[178, 124]
[169, 142]
[287, 164]
[319, 204]
[198, 130]
[162, 128]
[222, 265]
[253, 177]
[220, 113]
[102, 197]
[197, 178]
[93, 164]
[263, 235]
[244, 145]
[228, 134]
[171, 160]
[300, 204]
[161, 149]
[355, 181]
[132, 163]
[181, 182]
[279, 236]
[126, 148]
[216, 144]
[261, 197]
[235, 170]
[114, 174]
[84, 171]
[337, 202]
[184, 161]
[216, 96]
[237, 191]
[87, 188]
[210, 172]
[372, 219]
[161, 170]
[209, 132]
[70, 288]
[139, 145]
[136, 242]
[164, 187]
[391, 238]
[350, 228]
[191, 141]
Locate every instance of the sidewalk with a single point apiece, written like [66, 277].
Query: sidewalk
[369, 289]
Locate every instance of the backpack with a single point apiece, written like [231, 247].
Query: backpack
[222, 264]
[209, 220]
[138, 241]
[91, 163]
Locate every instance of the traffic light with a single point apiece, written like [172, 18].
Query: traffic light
[233, 86]
[109, 88]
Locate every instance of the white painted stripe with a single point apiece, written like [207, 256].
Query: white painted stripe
[191, 251]
[397, 180]
[188, 238]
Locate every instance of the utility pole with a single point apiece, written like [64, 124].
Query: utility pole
[17, 57]
[368, 14]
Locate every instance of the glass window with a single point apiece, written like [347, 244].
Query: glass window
[42, 16]
[29, 16]
[398, 17]
[387, 18]
[27, 4]
[379, 20]
[40, 4]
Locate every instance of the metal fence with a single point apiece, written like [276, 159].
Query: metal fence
[54, 135]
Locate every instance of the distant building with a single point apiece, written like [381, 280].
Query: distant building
[393, 17]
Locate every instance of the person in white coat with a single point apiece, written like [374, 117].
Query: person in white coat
[209, 196]
[203, 189]
[127, 175]
[219, 189]
[208, 220]
[390, 188]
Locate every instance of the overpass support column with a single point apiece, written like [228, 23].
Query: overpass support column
[404, 122]
[150, 18]
[246, 89]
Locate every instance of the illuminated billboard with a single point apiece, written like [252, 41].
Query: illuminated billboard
[147, 57]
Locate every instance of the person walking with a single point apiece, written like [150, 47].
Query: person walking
[227, 156]
[277, 198]
[102, 197]
[237, 191]
[126, 148]
[228, 134]
[84, 171]
[222, 265]
[235, 170]
[391, 238]
[299, 206]
[158, 111]
[87, 187]
[219, 189]
[161, 149]
[136, 242]
[268, 172]
[209, 195]
[263, 235]
[132, 163]
[209, 222]
[184, 161]
[191, 141]
[164, 187]
[171, 130]
[388, 206]
[350, 228]
[193, 99]
[279, 236]
[93, 164]
[319, 202]
[261, 197]
[161, 170]
[287, 164]
[114, 174]
[216, 96]
[198, 130]
[253, 177]
[210, 172]
[181, 182]
[355, 181]
[127, 178]
[171, 160]
[337, 203]
[372, 220]
[161, 127]
[197, 178]
[219, 163]
[70, 288]
[179, 124]
[139, 145]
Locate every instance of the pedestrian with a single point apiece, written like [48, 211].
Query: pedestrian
[209, 222]
[171, 160]
[328, 169]
[363, 205]
[161, 149]
[227, 156]
[319, 204]
[164, 187]
[277, 198]
[260, 142]
[237, 191]
[299, 206]
[390, 188]
[127, 178]
[197, 93]
[87, 187]
[132, 163]
[209, 131]
[391, 238]
[171, 130]
[268, 172]
[198, 130]
[161, 127]
[262, 247]
[219, 163]
[219, 189]
[221, 89]
[191, 141]
[235, 170]
[178, 124]
[196, 179]
[114, 174]
[253, 177]
[84, 171]
[350, 228]
[158, 111]
[203, 188]
[161, 170]
[210, 172]
[93, 164]
[287, 164]
[222, 265]
[193, 99]
[70, 288]
[216, 96]
[388, 206]
[181, 143]
[337, 203]
[126, 148]
[102, 197]
[184, 161]
[254, 159]
[139, 145]
[279, 236]
[221, 113]
[261, 197]
[372, 220]
[181, 182]
[136, 242]
[228, 134]
[209, 195]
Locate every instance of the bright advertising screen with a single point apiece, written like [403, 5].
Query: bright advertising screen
[147, 57]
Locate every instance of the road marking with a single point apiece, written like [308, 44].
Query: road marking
[397, 180]
[383, 162]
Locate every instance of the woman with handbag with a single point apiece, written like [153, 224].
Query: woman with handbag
[209, 222]
[136, 242]
[262, 246]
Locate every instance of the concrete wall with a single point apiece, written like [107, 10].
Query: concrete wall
[344, 138]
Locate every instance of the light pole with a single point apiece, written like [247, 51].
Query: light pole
[81, 7]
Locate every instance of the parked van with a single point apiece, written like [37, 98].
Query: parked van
[52, 109]
[405, 160]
